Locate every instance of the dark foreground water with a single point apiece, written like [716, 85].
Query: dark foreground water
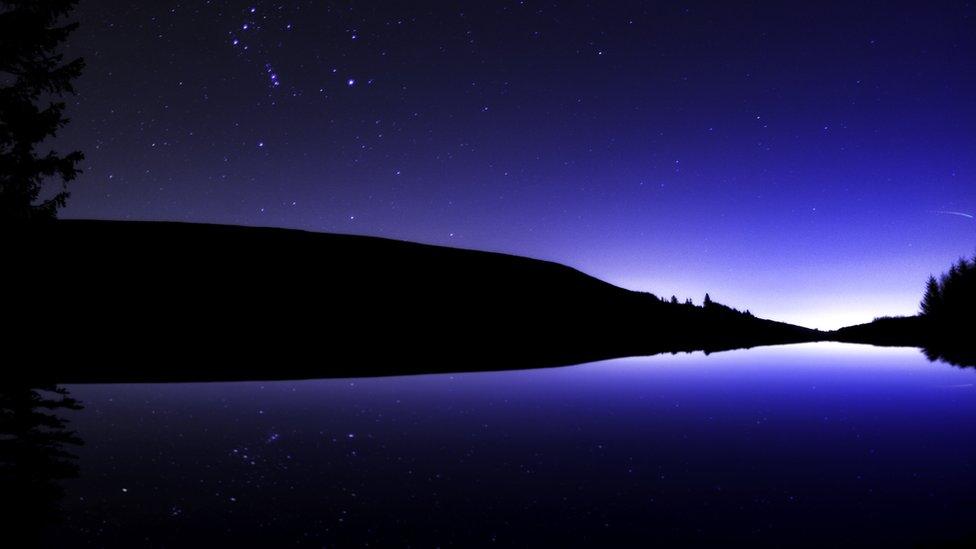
[819, 444]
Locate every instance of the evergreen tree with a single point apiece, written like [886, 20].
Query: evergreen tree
[32, 75]
[950, 301]
[932, 300]
[708, 301]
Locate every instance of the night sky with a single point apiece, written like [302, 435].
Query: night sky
[811, 161]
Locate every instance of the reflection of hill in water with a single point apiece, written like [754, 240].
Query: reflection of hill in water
[34, 457]
[940, 341]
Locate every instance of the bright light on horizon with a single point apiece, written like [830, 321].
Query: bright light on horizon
[832, 318]
[824, 308]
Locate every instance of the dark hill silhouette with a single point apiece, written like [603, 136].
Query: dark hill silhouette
[944, 327]
[896, 331]
[109, 300]
[952, 345]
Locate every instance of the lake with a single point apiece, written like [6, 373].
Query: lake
[818, 444]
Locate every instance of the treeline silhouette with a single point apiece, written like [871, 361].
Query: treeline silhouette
[35, 455]
[174, 301]
[950, 301]
[949, 310]
[945, 324]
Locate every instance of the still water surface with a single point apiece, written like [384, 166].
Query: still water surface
[817, 444]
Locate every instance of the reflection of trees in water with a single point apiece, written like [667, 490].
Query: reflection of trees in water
[34, 456]
[950, 354]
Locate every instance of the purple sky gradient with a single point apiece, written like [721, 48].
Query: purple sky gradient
[789, 159]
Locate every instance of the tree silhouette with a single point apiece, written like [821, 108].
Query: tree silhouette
[32, 74]
[948, 308]
[932, 299]
[35, 455]
[708, 301]
[951, 300]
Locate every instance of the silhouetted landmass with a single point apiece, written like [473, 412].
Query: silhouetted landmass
[899, 331]
[116, 301]
[945, 327]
